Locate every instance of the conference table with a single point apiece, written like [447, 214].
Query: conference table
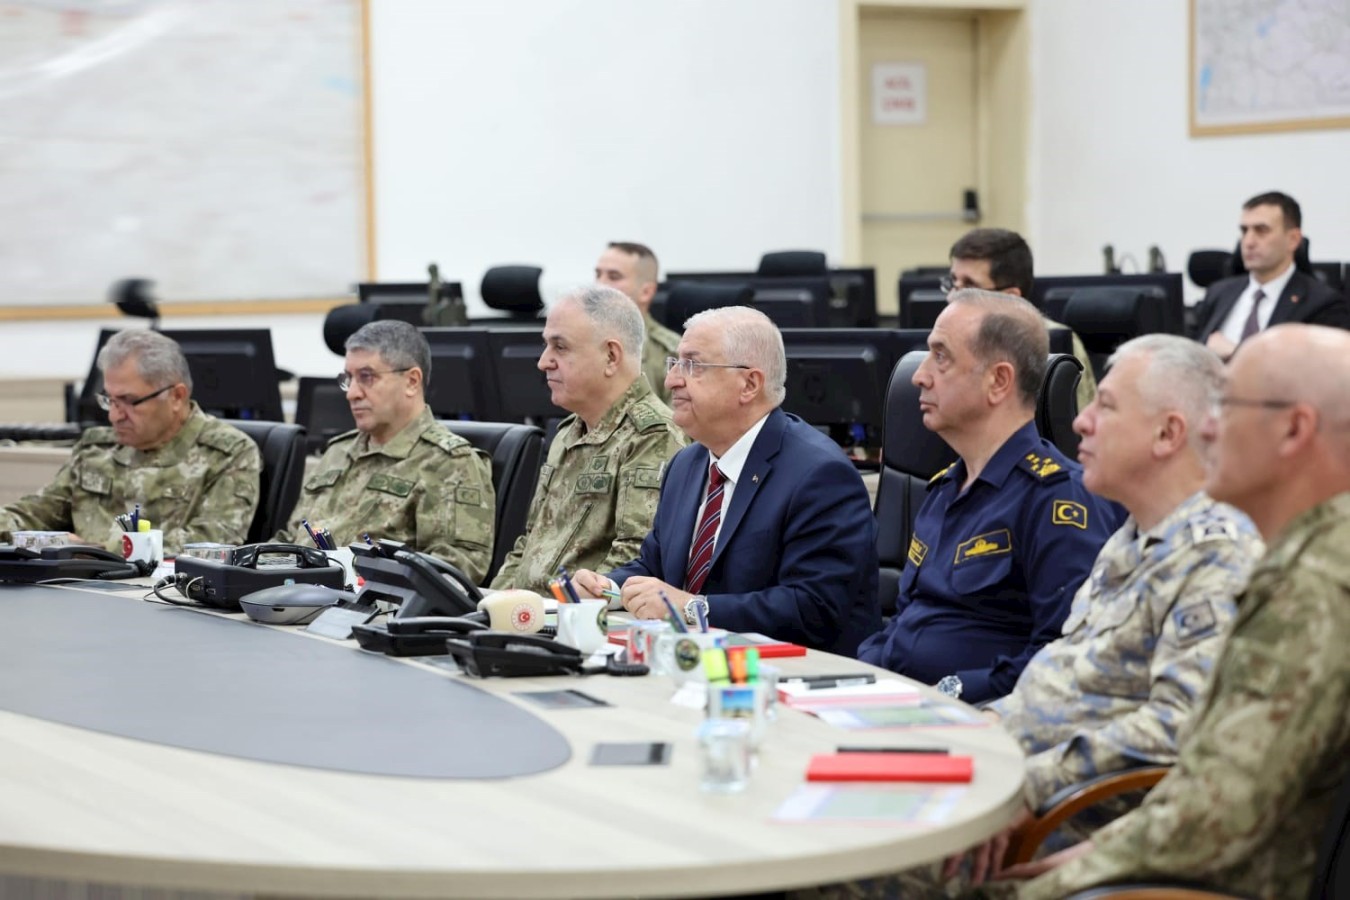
[107, 804]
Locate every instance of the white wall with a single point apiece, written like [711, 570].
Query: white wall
[535, 131]
[1111, 160]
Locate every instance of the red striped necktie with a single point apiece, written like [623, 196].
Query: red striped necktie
[700, 558]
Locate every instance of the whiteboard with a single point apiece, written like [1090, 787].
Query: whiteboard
[213, 146]
[1269, 65]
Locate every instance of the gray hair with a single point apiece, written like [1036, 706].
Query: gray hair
[750, 338]
[1181, 374]
[1011, 331]
[613, 315]
[159, 360]
[399, 344]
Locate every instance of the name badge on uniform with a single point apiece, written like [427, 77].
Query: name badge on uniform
[992, 543]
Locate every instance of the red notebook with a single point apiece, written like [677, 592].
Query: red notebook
[889, 767]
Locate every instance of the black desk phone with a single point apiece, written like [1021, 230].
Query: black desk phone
[420, 584]
[24, 564]
[218, 584]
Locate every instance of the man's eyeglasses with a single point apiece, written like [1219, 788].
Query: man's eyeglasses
[1225, 402]
[106, 402]
[366, 377]
[692, 368]
[947, 284]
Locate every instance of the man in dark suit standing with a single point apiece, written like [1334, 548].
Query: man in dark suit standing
[1273, 290]
[764, 524]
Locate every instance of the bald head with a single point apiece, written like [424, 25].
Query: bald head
[1283, 432]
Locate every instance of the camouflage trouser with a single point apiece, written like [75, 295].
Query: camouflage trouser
[922, 882]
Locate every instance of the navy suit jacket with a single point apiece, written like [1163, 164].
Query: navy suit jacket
[797, 555]
[1304, 299]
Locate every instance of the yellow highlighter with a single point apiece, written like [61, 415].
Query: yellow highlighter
[715, 666]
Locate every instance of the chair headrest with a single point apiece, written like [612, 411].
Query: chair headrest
[343, 321]
[791, 263]
[513, 289]
[906, 444]
[688, 298]
[1207, 266]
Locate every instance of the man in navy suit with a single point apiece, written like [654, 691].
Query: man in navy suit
[763, 525]
[1273, 290]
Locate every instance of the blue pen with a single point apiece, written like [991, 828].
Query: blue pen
[136, 518]
[567, 584]
[700, 610]
[676, 620]
[312, 536]
[366, 536]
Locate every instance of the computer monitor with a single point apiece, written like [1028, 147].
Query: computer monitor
[912, 280]
[837, 377]
[1173, 311]
[854, 304]
[461, 385]
[523, 393]
[234, 374]
[922, 308]
[787, 307]
[404, 300]
[321, 407]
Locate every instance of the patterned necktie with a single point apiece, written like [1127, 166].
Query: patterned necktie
[700, 558]
[1253, 323]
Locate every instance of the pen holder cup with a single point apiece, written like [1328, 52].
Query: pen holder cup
[584, 625]
[642, 635]
[746, 703]
[343, 557]
[143, 546]
[680, 654]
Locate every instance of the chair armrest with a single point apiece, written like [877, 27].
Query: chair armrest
[1151, 891]
[1070, 802]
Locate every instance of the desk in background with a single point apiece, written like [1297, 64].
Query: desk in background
[82, 807]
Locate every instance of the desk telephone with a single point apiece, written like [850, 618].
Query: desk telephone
[420, 584]
[220, 584]
[24, 564]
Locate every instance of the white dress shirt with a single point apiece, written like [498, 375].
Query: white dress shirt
[1237, 317]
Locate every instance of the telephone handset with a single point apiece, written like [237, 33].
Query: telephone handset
[26, 564]
[486, 653]
[456, 593]
[304, 557]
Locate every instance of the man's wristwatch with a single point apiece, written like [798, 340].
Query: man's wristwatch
[692, 607]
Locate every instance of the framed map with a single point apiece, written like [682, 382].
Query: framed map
[215, 147]
[1269, 65]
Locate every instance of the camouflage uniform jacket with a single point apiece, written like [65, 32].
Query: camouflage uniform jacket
[200, 486]
[597, 492]
[1137, 649]
[1246, 804]
[426, 486]
[661, 342]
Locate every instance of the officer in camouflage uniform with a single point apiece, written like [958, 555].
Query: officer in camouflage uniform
[1245, 806]
[195, 477]
[633, 269]
[400, 474]
[598, 489]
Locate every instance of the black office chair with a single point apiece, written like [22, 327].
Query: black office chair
[513, 289]
[321, 408]
[1106, 317]
[283, 473]
[344, 321]
[517, 452]
[910, 456]
[1204, 267]
[1057, 403]
[688, 298]
[792, 264]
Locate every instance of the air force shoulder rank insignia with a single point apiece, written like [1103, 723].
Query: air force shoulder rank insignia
[1069, 512]
[1042, 466]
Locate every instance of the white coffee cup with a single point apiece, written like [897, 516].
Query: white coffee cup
[143, 546]
[583, 625]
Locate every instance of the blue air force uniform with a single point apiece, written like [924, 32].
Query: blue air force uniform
[992, 571]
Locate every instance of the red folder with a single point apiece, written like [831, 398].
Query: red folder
[889, 767]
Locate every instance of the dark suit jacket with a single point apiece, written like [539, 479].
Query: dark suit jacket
[1305, 299]
[797, 557]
